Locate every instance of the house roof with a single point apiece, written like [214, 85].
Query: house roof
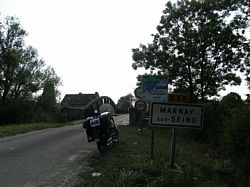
[78, 100]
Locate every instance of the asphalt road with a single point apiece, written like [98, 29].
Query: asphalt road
[50, 157]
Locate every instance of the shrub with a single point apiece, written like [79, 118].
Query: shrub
[25, 111]
[17, 111]
[212, 124]
[235, 142]
[123, 106]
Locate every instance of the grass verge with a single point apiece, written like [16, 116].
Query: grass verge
[129, 163]
[10, 130]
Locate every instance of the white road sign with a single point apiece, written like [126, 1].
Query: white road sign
[176, 115]
[138, 92]
[140, 105]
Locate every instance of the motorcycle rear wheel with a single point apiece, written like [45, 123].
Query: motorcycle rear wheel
[102, 148]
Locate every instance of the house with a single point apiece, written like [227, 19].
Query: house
[73, 106]
[78, 100]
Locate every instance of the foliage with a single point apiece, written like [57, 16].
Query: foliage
[124, 103]
[129, 163]
[17, 111]
[22, 70]
[215, 115]
[199, 45]
[50, 77]
[22, 76]
[235, 142]
[212, 124]
[236, 136]
[232, 100]
[47, 103]
[48, 98]
[226, 125]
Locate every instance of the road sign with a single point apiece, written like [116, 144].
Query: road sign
[154, 88]
[138, 92]
[140, 105]
[176, 115]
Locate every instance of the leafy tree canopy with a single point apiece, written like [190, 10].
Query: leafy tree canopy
[232, 100]
[47, 101]
[200, 44]
[124, 103]
[22, 72]
[127, 98]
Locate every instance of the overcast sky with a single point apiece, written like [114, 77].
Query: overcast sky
[89, 42]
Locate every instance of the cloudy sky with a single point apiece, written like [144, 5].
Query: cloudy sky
[89, 42]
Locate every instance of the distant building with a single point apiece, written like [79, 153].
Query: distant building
[73, 106]
[78, 100]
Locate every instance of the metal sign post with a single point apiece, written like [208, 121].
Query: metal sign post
[154, 88]
[152, 143]
[173, 145]
[176, 115]
[140, 106]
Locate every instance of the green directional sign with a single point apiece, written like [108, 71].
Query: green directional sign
[154, 88]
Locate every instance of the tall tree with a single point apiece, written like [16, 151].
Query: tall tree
[48, 99]
[125, 102]
[127, 98]
[232, 100]
[21, 69]
[200, 45]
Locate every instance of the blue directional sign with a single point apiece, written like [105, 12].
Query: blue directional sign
[154, 88]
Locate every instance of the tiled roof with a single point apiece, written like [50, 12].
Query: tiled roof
[78, 100]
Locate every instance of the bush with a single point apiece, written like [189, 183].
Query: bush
[236, 136]
[17, 111]
[212, 124]
[43, 116]
[123, 107]
[235, 142]
[24, 111]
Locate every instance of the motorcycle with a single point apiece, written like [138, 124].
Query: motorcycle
[102, 129]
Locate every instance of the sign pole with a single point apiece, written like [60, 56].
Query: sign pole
[141, 120]
[152, 143]
[173, 146]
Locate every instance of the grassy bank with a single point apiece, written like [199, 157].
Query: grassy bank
[129, 163]
[10, 130]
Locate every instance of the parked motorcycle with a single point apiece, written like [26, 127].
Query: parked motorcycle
[102, 129]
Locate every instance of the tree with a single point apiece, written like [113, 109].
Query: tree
[22, 75]
[200, 45]
[21, 69]
[125, 102]
[50, 77]
[232, 100]
[248, 71]
[48, 99]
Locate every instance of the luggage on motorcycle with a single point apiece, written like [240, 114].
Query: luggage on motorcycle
[97, 125]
